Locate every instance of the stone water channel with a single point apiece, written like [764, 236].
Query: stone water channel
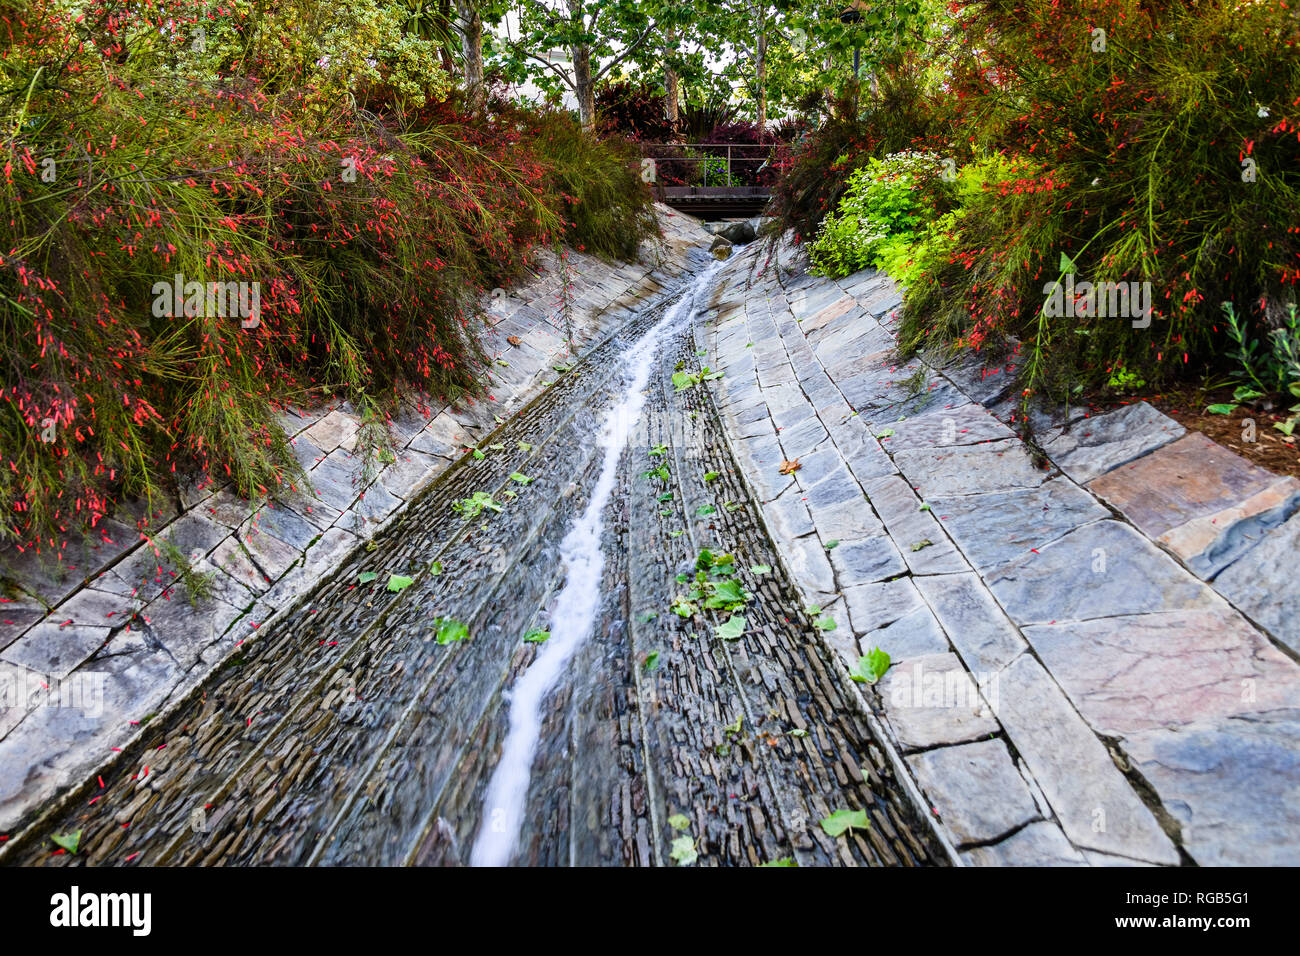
[350, 735]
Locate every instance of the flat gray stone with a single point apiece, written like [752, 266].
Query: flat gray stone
[992, 529]
[974, 623]
[809, 565]
[837, 488]
[1232, 784]
[911, 527]
[864, 561]
[933, 700]
[1095, 445]
[1262, 582]
[1103, 569]
[873, 606]
[788, 515]
[915, 634]
[976, 788]
[1126, 674]
[1039, 844]
[964, 425]
[50, 649]
[968, 470]
[1093, 801]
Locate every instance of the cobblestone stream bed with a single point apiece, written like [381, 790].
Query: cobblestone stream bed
[348, 735]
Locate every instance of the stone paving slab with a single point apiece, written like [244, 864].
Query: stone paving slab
[1073, 595]
[120, 616]
[1094, 445]
[1232, 784]
[976, 789]
[1191, 478]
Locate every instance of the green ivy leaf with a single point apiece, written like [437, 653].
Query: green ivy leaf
[399, 582]
[679, 822]
[365, 577]
[683, 851]
[449, 631]
[537, 636]
[69, 841]
[841, 821]
[733, 629]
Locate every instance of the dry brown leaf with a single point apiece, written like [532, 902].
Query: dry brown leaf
[513, 340]
[790, 467]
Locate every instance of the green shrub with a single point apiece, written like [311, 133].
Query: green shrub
[1152, 141]
[370, 218]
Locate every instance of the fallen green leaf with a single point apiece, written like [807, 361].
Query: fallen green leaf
[448, 631]
[733, 629]
[399, 582]
[365, 577]
[841, 821]
[69, 841]
[683, 851]
[537, 636]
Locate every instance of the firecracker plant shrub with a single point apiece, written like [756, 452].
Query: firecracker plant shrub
[368, 207]
[1147, 141]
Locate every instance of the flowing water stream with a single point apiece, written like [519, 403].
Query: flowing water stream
[348, 735]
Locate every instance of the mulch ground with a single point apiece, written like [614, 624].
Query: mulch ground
[1271, 449]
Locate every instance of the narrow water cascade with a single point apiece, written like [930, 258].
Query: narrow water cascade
[576, 606]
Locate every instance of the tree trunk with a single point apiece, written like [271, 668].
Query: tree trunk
[672, 83]
[760, 82]
[471, 28]
[584, 86]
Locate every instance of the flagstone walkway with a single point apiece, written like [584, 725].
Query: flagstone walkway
[1095, 657]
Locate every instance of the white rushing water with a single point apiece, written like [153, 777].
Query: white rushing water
[574, 614]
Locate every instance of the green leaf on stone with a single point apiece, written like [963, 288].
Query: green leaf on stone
[524, 446]
[710, 476]
[784, 861]
[841, 821]
[735, 725]
[69, 841]
[478, 455]
[731, 506]
[798, 733]
[449, 631]
[683, 851]
[871, 667]
[666, 496]
[832, 544]
[521, 478]
[826, 623]
[365, 577]
[924, 507]
[684, 380]
[760, 569]
[537, 636]
[679, 821]
[887, 433]
[435, 568]
[675, 534]
[924, 543]
[703, 510]
[658, 451]
[733, 629]
[682, 607]
[652, 660]
[399, 582]
[727, 595]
